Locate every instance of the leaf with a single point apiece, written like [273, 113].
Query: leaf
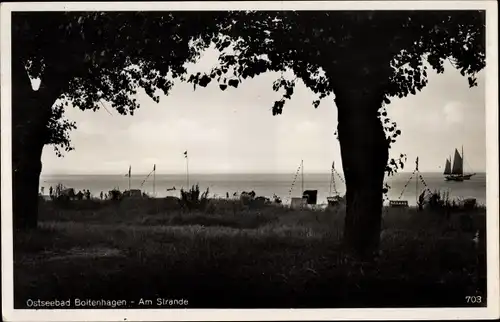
[204, 81]
[233, 83]
[223, 86]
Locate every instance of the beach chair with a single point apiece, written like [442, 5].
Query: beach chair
[311, 196]
[334, 201]
[398, 203]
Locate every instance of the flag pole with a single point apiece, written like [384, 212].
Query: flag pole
[187, 170]
[416, 181]
[154, 180]
[187, 167]
[332, 177]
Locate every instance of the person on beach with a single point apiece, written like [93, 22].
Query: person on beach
[50, 191]
[101, 195]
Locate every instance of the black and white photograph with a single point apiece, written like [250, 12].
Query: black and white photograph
[235, 160]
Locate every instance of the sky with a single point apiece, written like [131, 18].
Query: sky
[235, 132]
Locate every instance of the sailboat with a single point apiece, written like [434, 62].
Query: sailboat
[455, 172]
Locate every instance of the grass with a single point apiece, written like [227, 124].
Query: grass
[231, 256]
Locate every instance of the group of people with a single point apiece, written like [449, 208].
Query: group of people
[85, 194]
[80, 195]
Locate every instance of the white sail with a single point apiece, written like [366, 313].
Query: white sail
[447, 167]
[458, 164]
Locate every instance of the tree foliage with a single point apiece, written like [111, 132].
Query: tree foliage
[108, 56]
[86, 58]
[327, 49]
[278, 41]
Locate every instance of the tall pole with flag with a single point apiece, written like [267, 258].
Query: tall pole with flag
[129, 174]
[187, 167]
[332, 177]
[416, 180]
[154, 180]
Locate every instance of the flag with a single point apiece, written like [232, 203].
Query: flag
[186, 154]
[154, 167]
[416, 163]
[129, 171]
[333, 165]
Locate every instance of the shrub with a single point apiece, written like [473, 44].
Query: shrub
[192, 200]
[438, 201]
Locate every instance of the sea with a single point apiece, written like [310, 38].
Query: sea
[404, 186]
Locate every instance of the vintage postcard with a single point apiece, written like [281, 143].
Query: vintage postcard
[277, 160]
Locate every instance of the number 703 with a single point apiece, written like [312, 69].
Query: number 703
[473, 299]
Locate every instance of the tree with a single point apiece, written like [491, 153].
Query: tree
[84, 58]
[364, 58]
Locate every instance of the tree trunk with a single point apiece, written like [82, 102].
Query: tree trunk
[25, 183]
[30, 115]
[364, 151]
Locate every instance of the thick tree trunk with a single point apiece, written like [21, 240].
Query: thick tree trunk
[25, 183]
[360, 75]
[30, 115]
[364, 150]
